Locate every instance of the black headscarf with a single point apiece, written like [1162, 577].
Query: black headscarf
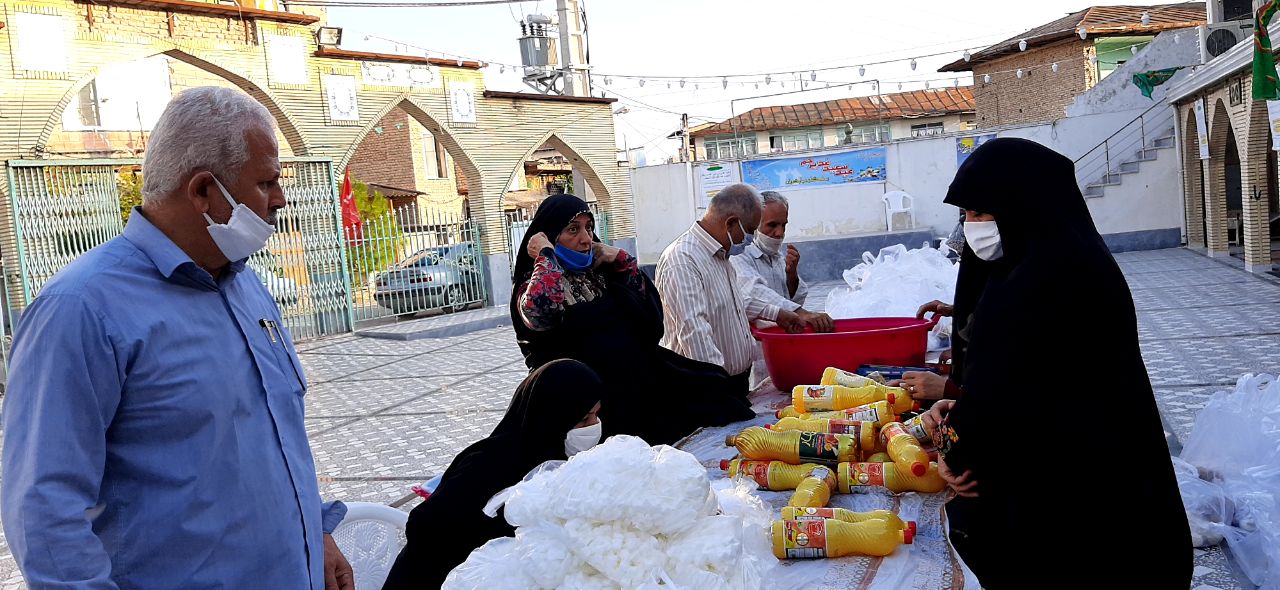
[447, 527]
[553, 215]
[1058, 408]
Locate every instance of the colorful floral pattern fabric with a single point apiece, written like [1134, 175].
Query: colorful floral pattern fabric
[551, 289]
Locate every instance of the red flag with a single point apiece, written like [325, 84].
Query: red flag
[350, 214]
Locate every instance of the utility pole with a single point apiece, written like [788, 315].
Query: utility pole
[571, 25]
[684, 137]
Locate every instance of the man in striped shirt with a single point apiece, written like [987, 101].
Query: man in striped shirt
[705, 316]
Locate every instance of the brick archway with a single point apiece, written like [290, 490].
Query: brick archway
[285, 120]
[1193, 182]
[1259, 173]
[1220, 133]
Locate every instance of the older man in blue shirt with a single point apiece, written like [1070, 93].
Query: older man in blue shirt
[154, 419]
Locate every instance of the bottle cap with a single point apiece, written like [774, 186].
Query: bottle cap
[911, 526]
[908, 536]
[730, 440]
[919, 469]
[768, 427]
[891, 398]
[724, 464]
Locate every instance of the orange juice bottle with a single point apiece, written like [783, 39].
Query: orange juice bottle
[815, 489]
[819, 513]
[904, 448]
[813, 539]
[772, 475]
[834, 376]
[878, 412]
[915, 427]
[831, 425]
[820, 398]
[796, 447]
[851, 477]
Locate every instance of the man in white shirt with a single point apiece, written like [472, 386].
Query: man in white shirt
[768, 274]
[705, 317]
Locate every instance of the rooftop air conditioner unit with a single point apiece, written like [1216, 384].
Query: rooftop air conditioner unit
[1216, 38]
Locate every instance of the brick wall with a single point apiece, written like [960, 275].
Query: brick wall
[1041, 95]
[119, 21]
[386, 158]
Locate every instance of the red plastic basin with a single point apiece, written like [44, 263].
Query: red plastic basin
[799, 359]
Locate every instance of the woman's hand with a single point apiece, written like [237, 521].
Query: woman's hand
[934, 417]
[964, 484]
[923, 384]
[537, 243]
[603, 254]
[937, 308]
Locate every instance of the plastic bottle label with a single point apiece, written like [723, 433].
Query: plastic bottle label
[915, 427]
[866, 474]
[864, 414]
[815, 514]
[805, 539]
[842, 426]
[819, 447]
[819, 397]
[850, 379]
[759, 471]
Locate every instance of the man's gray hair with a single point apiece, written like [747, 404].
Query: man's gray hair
[774, 197]
[201, 129]
[740, 200]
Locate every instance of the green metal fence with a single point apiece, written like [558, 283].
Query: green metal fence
[63, 208]
[413, 259]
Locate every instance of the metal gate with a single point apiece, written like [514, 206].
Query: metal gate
[413, 259]
[61, 209]
[517, 221]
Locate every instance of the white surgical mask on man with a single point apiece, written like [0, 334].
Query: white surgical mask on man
[581, 439]
[768, 244]
[984, 239]
[242, 235]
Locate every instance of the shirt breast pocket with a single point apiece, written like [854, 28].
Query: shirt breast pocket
[290, 367]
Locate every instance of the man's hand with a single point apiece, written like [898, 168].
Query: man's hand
[820, 322]
[922, 384]
[790, 321]
[603, 254]
[937, 307]
[537, 243]
[337, 572]
[793, 260]
[964, 484]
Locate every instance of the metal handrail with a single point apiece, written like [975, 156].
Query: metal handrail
[1124, 142]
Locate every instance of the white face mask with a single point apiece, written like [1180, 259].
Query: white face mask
[984, 239]
[581, 439]
[767, 244]
[242, 235]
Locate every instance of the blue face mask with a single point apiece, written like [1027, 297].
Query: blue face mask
[740, 247]
[573, 260]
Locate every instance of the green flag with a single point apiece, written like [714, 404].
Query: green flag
[1147, 81]
[1264, 61]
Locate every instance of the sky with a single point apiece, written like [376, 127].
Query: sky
[631, 39]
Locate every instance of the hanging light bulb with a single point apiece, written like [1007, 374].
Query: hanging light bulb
[608, 81]
[682, 82]
[1054, 67]
[1133, 49]
[502, 69]
[967, 55]
[1093, 59]
[459, 62]
[986, 78]
[813, 76]
[899, 86]
[783, 83]
[956, 82]
[724, 82]
[668, 85]
[926, 84]
[1146, 18]
[642, 82]
[767, 79]
[1083, 32]
[874, 86]
[1022, 45]
[1176, 37]
[697, 86]
[1020, 74]
[913, 63]
[862, 71]
[828, 85]
[757, 85]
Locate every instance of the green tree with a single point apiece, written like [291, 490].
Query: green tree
[379, 241]
[129, 187]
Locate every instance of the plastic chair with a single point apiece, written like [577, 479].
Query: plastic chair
[371, 537]
[898, 202]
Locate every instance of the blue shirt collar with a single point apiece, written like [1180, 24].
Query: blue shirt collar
[165, 254]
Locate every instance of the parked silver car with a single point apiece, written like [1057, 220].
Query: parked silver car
[444, 277]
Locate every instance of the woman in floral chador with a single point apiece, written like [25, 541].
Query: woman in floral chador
[578, 298]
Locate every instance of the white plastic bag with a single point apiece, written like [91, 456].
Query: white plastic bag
[894, 283]
[1208, 511]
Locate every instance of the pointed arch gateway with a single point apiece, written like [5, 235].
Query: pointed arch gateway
[1193, 182]
[1224, 178]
